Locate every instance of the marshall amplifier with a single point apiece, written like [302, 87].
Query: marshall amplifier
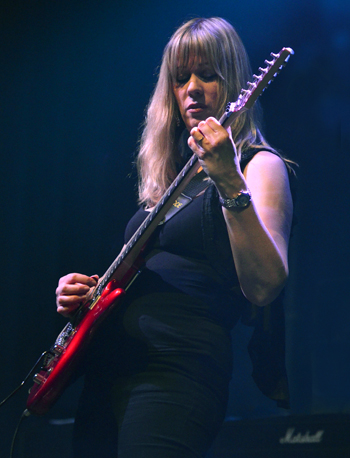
[313, 436]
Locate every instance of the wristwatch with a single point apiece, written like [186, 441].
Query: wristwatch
[242, 200]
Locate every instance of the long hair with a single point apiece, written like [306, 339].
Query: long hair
[217, 41]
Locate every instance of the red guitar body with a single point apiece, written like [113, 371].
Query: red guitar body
[65, 356]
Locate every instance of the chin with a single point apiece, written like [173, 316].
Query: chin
[193, 123]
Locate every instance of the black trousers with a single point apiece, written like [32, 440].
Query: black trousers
[165, 415]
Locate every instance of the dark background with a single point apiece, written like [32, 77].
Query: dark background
[75, 77]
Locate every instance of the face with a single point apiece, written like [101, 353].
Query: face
[196, 92]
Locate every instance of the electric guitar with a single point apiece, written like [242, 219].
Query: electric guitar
[62, 361]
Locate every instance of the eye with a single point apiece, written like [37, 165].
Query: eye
[182, 78]
[208, 76]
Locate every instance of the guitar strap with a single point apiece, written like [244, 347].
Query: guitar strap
[198, 184]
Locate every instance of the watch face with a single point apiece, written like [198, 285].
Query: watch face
[243, 199]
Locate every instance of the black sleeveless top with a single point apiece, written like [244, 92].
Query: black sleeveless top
[179, 260]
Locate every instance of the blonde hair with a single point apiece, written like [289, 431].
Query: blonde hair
[217, 41]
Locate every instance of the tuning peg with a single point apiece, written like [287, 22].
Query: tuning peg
[243, 92]
[257, 78]
[263, 70]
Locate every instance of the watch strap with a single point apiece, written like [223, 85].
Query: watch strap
[242, 200]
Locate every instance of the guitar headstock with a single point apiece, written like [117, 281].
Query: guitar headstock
[248, 97]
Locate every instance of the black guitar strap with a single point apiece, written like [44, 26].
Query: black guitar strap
[198, 184]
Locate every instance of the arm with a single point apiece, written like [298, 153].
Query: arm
[258, 234]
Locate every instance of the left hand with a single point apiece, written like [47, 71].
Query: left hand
[216, 151]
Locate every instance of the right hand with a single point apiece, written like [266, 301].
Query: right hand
[72, 291]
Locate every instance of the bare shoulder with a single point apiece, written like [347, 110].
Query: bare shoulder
[267, 177]
[266, 158]
[268, 166]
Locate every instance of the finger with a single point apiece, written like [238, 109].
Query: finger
[206, 130]
[199, 141]
[195, 146]
[197, 135]
[79, 278]
[214, 124]
[71, 290]
[67, 311]
[67, 305]
[70, 301]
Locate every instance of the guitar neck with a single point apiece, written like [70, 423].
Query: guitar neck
[255, 88]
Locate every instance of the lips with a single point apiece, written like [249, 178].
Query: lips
[196, 107]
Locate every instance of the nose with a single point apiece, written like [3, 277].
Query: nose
[195, 86]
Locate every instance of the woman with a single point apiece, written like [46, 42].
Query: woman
[156, 384]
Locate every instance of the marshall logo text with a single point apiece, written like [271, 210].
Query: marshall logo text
[299, 438]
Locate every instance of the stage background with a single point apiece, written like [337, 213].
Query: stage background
[74, 82]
